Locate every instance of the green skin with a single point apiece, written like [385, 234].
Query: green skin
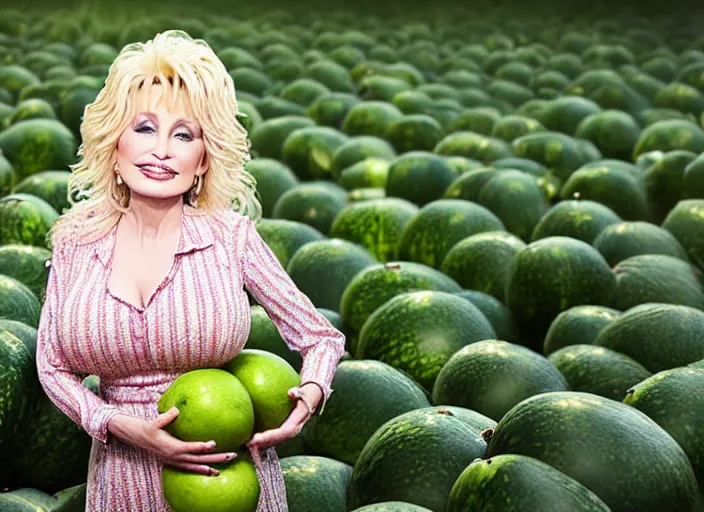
[310, 204]
[331, 109]
[376, 225]
[664, 182]
[52, 186]
[683, 222]
[273, 179]
[516, 483]
[516, 199]
[579, 325]
[430, 235]
[338, 261]
[492, 376]
[368, 173]
[417, 332]
[234, 489]
[26, 333]
[468, 184]
[315, 483]
[285, 237]
[625, 239]
[303, 91]
[308, 151]
[477, 120]
[693, 185]
[510, 128]
[38, 144]
[614, 132]
[27, 264]
[367, 395]
[414, 132]
[581, 220]
[482, 262]
[375, 285]
[25, 219]
[564, 114]
[474, 146]
[370, 117]
[598, 370]
[392, 506]
[268, 138]
[415, 458]
[657, 278]
[643, 331]
[614, 450]
[17, 302]
[419, 177]
[498, 315]
[357, 149]
[552, 275]
[556, 151]
[674, 399]
[670, 135]
[615, 188]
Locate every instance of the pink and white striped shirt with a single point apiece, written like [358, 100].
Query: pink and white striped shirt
[197, 317]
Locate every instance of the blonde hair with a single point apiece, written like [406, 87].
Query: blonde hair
[182, 66]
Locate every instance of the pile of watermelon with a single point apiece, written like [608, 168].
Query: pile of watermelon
[501, 208]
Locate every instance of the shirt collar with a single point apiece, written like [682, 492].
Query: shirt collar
[196, 234]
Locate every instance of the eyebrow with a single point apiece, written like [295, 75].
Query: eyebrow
[179, 122]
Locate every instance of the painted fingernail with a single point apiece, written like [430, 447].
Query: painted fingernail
[231, 456]
[210, 444]
[214, 472]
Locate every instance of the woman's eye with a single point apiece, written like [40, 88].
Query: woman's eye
[147, 129]
[186, 136]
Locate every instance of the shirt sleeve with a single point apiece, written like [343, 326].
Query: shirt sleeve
[64, 388]
[300, 324]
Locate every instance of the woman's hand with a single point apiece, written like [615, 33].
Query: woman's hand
[295, 421]
[149, 435]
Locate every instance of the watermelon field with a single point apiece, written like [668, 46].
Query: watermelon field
[500, 204]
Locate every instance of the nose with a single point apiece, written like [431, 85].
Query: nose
[161, 151]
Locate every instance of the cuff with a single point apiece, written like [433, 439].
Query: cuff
[326, 394]
[98, 427]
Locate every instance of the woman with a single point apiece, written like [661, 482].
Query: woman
[148, 275]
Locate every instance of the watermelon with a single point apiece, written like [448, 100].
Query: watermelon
[268, 138]
[664, 182]
[414, 132]
[498, 315]
[315, 483]
[370, 117]
[674, 400]
[397, 333]
[264, 335]
[25, 219]
[330, 109]
[367, 394]
[358, 149]
[684, 222]
[576, 433]
[643, 331]
[273, 180]
[579, 325]
[492, 376]
[419, 177]
[517, 482]
[285, 237]
[308, 151]
[598, 370]
[416, 458]
[368, 173]
[614, 132]
[618, 242]
[581, 220]
[670, 135]
[310, 203]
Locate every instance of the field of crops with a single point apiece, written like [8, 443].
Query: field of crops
[502, 208]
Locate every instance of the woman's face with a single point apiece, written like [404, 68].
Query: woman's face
[161, 137]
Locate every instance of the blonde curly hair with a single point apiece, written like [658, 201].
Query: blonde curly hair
[188, 70]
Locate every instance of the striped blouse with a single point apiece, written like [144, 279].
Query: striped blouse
[197, 317]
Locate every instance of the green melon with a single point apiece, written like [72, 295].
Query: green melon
[27, 264]
[330, 109]
[367, 395]
[477, 120]
[658, 336]
[670, 135]
[25, 219]
[552, 275]
[273, 180]
[565, 113]
[579, 325]
[618, 242]
[581, 220]
[492, 376]
[439, 225]
[268, 138]
[368, 173]
[309, 151]
[674, 400]
[26, 333]
[417, 332]
[482, 262]
[38, 145]
[614, 450]
[556, 151]
[17, 302]
[376, 225]
[358, 149]
[264, 335]
[657, 278]
[415, 458]
[598, 370]
[473, 145]
[516, 482]
[693, 179]
[334, 262]
[664, 182]
[614, 132]
[375, 285]
[511, 127]
[370, 118]
[311, 204]
[468, 185]
[285, 237]
[419, 177]
[315, 483]
[498, 315]
[684, 222]
[414, 132]
[610, 185]
[392, 506]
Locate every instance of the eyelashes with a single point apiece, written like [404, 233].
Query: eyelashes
[145, 129]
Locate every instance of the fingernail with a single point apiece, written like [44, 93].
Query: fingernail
[214, 472]
[211, 444]
[231, 456]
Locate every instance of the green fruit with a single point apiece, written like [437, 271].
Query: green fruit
[267, 378]
[684, 223]
[516, 482]
[498, 315]
[234, 489]
[315, 483]
[581, 220]
[579, 325]
[621, 241]
[213, 405]
[615, 451]
[25, 219]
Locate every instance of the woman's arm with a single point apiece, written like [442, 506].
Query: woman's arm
[64, 388]
[300, 324]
